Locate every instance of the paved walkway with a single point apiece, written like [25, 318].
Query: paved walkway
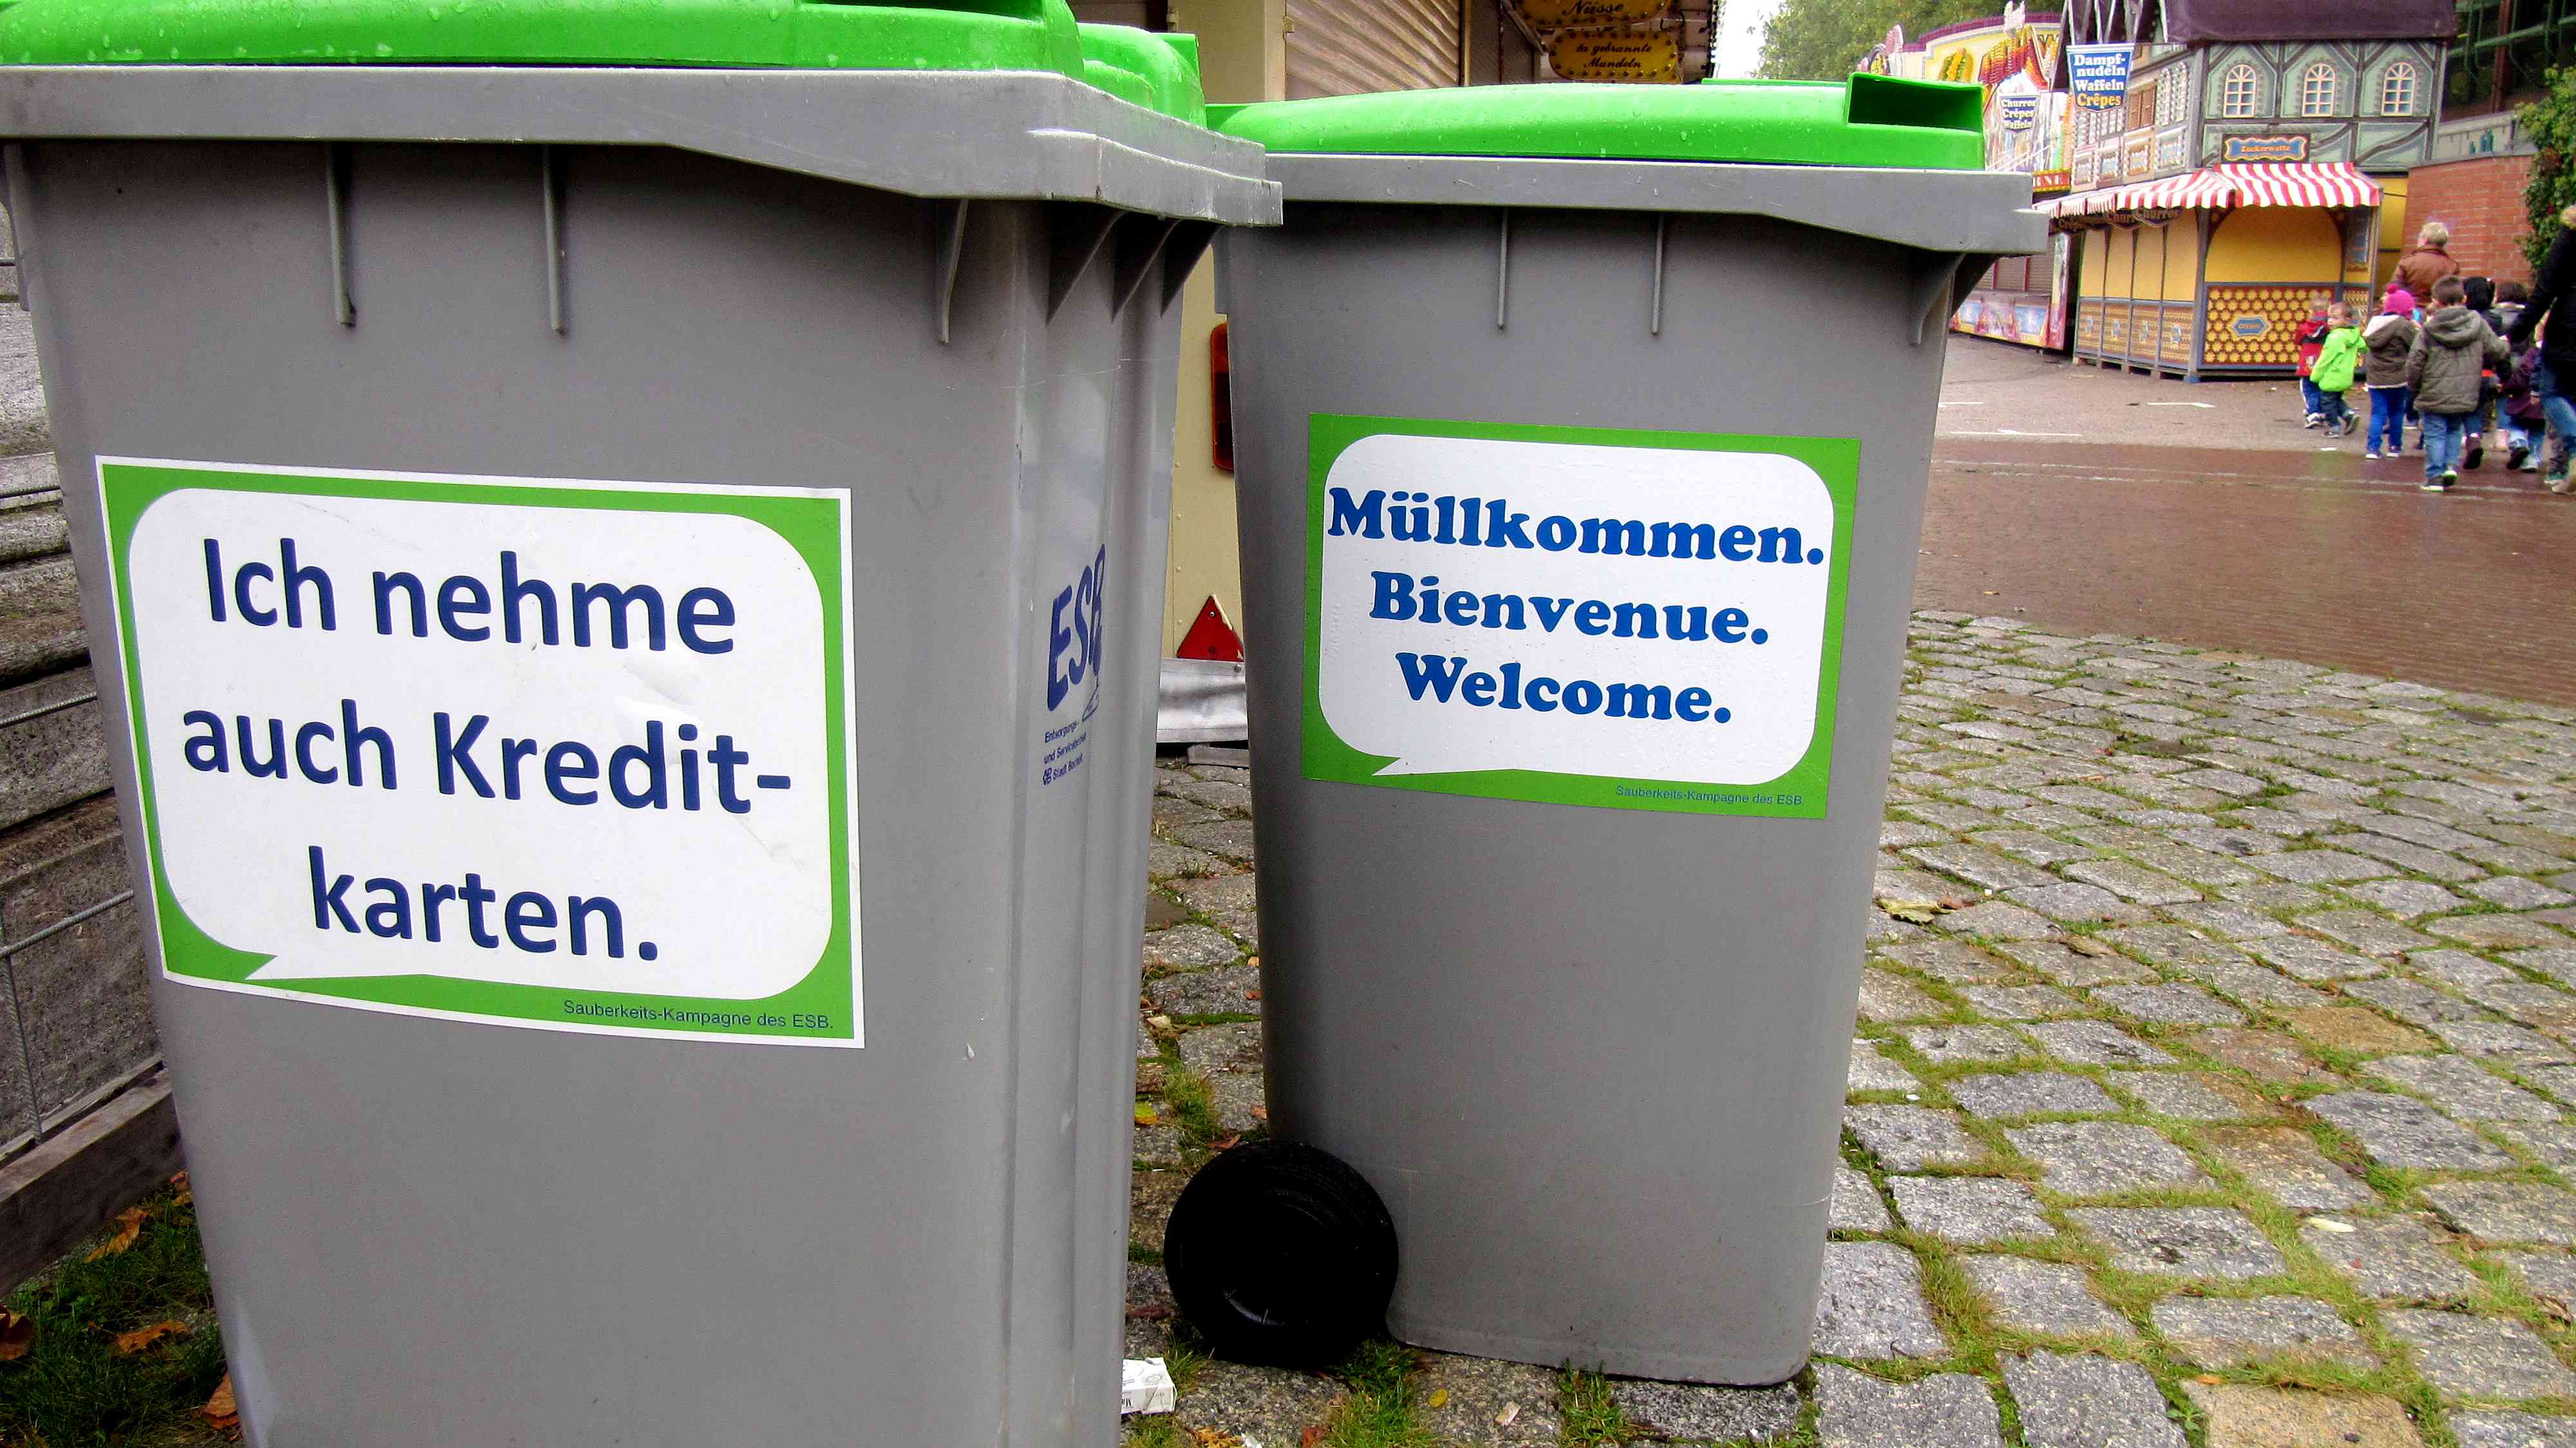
[2310, 556]
[1993, 389]
[2211, 1088]
[2089, 500]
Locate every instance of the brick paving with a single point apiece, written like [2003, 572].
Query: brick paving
[2321, 557]
[2212, 1085]
[2090, 500]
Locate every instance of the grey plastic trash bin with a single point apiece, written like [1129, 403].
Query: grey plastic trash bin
[629, 537]
[1583, 435]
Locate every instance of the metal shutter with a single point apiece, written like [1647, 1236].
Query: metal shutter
[1341, 47]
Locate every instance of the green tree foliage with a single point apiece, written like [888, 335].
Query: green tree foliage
[2551, 124]
[1826, 39]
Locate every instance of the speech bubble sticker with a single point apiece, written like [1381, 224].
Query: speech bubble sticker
[1534, 613]
[490, 768]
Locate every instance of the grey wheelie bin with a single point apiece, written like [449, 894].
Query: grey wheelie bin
[628, 536]
[1583, 435]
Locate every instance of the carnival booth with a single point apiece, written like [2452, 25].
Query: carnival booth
[2210, 273]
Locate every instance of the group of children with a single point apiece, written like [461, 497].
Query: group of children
[2449, 368]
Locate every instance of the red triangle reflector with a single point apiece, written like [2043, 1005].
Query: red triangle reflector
[1211, 637]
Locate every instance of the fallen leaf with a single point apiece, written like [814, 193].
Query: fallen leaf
[130, 1343]
[129, 1229]
[2087, 945]
[1160, 1023]
[17, 1334]
[1252, 995]
[220, 1409]
[1504, 1418]
[1957, 902]
[1253, 960]
[186, 1192]
[1313, 1435]
[1228, 1144]
[1261, 1113]
[2209, 1380]
[1150, 1312]
[1439, 1398]
[1990, 593]
[1145, 1115]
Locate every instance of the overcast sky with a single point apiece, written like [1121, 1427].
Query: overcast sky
[1738, 52]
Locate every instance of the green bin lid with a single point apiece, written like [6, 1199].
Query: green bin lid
[1157, 71]
[1869, 120]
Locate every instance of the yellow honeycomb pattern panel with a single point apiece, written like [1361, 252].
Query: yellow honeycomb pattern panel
[2253, 326]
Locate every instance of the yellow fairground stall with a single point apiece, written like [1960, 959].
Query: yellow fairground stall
[2210, 273]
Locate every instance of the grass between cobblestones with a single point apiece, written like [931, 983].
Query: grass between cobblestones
[1592, 1416]
[1950, 781]
[2055, 746]
[1975, 1336]
[1378, 1410]
[1978, 1341]
[1192, 1110]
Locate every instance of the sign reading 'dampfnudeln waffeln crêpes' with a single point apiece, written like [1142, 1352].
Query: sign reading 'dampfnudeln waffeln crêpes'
[572, 755]
[1635, 620]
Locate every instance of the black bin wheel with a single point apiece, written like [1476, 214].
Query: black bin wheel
[1281, 1255]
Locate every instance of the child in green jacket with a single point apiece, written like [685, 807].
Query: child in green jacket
[2335, 368]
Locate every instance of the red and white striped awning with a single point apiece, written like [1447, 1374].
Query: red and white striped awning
[2300, 183]
[2178, 193]
[2242, 183]
[2079, 203]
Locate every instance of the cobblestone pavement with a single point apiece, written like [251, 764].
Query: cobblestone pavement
[2211, 1088]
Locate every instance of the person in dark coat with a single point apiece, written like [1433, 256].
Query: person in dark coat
[2481, 300]
[2519, 410]
[2452, 354]
[2385, 345]
[2428, 263]
[2550, 292]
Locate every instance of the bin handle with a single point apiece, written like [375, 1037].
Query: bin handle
[335, 202]
[948, 222]
[1655, 317]
[1939, 277]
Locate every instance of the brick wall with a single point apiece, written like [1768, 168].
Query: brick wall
[2480, 199]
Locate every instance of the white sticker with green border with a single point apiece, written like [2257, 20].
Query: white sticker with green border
[535, 752]
[1627, 619]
